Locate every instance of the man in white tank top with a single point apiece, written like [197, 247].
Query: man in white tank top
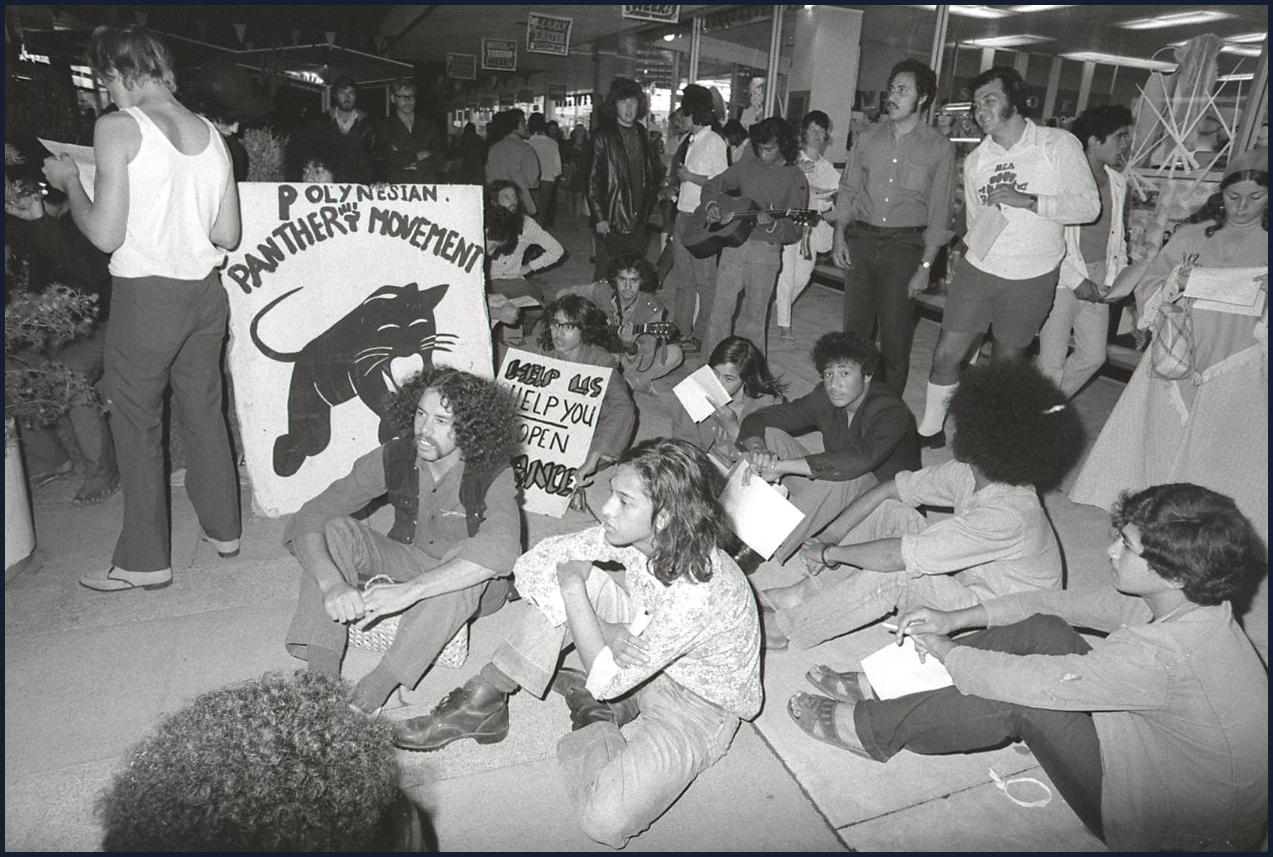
[166, 207]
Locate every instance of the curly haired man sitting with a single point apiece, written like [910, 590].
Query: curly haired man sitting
[273, 764]
[455, 536]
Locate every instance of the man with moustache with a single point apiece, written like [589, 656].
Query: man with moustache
[455, 536]
[893, 217]
[1095, 254]
[1022, 186]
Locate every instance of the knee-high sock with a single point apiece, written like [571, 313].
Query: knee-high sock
[935, 406]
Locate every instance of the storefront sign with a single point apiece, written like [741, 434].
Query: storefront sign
[339, 294]
[558, 402]
[662, 14]
[499, 55]
[548, 34]
[461, 66]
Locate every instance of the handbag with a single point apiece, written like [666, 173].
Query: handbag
[1172, 349]
[379, 634]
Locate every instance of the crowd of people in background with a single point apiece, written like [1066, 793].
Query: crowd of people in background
[736, 215]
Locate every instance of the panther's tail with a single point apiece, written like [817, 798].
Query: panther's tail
[265, 349]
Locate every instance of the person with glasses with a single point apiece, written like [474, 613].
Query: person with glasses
[577, 331]
[408, 145]
[868, 435]
[1156, 734]
[1016, 438]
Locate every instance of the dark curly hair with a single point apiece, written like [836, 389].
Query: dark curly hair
[683, 485]
[1013, 86]
[775, 129]
[1196, 537]
[492, 196]
[638, 262]
[697, 104]
[752, 369]
[279, 763]
[485, 418]
[583, 312]
[1212, 211]
[1014, 425]
[837, 347]
[621, 89]
[1100, 122]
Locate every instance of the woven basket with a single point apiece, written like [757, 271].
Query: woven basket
[379, 635]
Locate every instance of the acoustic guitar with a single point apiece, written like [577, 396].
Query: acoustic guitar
[705, 236]
[650, 339]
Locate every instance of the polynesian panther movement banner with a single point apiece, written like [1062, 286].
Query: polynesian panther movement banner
[338, 294]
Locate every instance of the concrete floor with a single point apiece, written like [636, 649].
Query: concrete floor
[87, 674]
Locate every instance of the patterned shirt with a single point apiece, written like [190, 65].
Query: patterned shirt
[704, 636]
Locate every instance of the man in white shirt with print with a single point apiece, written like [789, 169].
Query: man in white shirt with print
[1022, 185]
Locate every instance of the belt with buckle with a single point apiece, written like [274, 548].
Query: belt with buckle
[886, 231]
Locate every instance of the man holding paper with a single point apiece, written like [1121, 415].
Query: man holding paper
[867, 431]
[1022, 185]
[658, 613]
[1155, 735]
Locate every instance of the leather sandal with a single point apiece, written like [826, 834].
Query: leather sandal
[851, 687]
[92, 495]
[815, 715]
[457, 717]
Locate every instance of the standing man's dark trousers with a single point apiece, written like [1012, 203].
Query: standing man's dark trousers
[875, 291]
[615, 243]
[947, 721]
[165, 331]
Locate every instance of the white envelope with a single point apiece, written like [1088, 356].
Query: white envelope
[757, 512]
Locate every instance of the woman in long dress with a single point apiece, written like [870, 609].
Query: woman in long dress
[1210, 429]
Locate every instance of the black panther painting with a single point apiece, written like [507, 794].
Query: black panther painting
[351, 359]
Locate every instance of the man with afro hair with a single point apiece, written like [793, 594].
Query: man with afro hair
[278, 763]
[1015, 436]
[455, 536]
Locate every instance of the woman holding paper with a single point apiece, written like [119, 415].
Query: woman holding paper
[1210, 428]
[741, 369]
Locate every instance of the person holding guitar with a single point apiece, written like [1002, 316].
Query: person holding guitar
[768, 181]
[641, 331]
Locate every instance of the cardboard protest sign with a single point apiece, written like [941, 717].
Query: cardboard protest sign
[338, 294]
[558, 402]
[548, 34]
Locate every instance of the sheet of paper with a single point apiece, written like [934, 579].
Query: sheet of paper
[758, 513]
[1234, 309]
[896, 671]
[1238, 286]
[697, 392]
[524, 302]
[984, 231]
[83, 157]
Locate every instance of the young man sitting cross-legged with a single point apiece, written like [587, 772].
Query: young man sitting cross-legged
[695, 665]
[1156, 736]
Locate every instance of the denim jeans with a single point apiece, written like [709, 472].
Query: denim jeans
[751, 270]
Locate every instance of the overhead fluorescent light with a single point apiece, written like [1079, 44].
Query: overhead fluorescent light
[669, 37]
[1242, 50]
[986, 13]
[1007, 41]
[1022, 10]
[1235, 78]
[1176, 19]
[1247, 38]
[1122, 62]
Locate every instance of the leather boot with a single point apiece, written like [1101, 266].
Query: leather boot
[586, 709]
[477, 710]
